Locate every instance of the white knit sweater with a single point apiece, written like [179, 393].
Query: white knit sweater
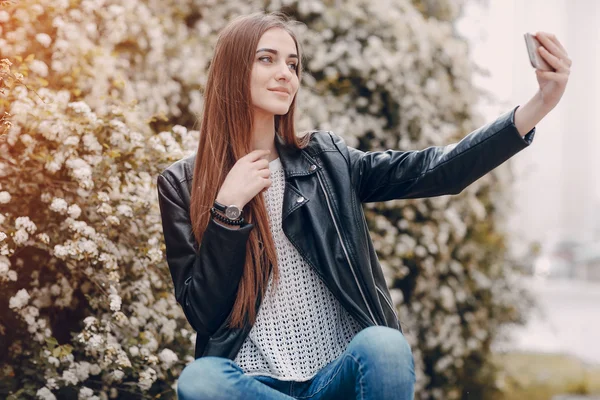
[300, 327]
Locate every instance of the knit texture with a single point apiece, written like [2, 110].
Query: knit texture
[301, 326]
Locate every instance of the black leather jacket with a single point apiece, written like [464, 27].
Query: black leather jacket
[323, 219]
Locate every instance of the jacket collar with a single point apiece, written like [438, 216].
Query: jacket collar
[295, 162]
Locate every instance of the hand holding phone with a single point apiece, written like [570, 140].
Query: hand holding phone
[534, 57]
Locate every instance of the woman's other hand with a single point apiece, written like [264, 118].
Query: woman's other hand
[552, 83]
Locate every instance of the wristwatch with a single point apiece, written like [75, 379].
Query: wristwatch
[231, 212]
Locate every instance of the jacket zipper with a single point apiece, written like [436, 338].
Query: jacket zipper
[344, 248]
[385, 298]
[389, 305]
[377, 287]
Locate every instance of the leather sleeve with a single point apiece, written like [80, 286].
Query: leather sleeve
[435, 171]
[206, 280]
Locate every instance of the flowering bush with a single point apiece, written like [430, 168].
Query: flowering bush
[95, 98]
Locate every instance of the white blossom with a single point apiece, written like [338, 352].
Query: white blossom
[26, 223]
[44, 39]
[12, 275]
[59, 205]
[112, 220]
[79, 107]
[123, 360]
[447, 297]
[95, 342]
[85, 393]
[90, 321]
[81, 370]
[88, 247]
[19, 300]
[80, 170]
[45, 394]
[155, 255]
[134, 351]
[53, 166]
[69, 378]
[168, 357]
[51, 384]
[115, 302]
[4, 197]
[39, 67]
[61, 251]
[124, 210]
[71, 141]
[21, 236]
[44, 238]
[147, 378]
[95, 369]
[104, 208]
[103, 196]
[180, 130]
[4, 266]
[118, 375]
[152, 359]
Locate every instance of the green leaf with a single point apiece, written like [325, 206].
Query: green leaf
[51, 342]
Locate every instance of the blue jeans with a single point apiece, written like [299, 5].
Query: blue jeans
[377, 364]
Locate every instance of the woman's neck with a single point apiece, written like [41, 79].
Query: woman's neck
[263, 136]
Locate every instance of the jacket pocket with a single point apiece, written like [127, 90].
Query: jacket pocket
[187, 310]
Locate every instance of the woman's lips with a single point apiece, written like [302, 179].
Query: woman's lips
[280, 92]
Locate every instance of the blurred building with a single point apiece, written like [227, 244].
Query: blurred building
[586, 265]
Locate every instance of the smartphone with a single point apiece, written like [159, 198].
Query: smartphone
[536, 60]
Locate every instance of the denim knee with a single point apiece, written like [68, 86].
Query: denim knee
[204, 378]
[384, 363]
[383, 346]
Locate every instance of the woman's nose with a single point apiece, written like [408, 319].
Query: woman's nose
[284, 72]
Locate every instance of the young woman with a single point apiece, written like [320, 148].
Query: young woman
[266, 240]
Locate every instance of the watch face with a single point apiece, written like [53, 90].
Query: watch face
[233, 212]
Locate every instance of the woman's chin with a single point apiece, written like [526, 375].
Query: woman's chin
[282, 111]
[276, 110]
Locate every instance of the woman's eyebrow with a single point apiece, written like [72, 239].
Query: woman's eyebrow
[276, 52]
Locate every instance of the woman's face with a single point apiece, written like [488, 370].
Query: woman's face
[273, 82]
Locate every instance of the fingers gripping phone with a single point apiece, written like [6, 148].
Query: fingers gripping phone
[536, 60]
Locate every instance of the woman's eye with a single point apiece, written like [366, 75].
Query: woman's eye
[269, 59]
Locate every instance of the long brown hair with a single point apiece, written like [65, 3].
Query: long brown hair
[225, 137]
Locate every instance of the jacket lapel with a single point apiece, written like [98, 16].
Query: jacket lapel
[295, 163]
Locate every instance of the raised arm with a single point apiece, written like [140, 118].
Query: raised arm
[435, 171]
[386, 175]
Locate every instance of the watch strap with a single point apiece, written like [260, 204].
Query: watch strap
[219, 206]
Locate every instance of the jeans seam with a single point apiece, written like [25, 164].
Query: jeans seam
[328, 382]
[362, 394]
